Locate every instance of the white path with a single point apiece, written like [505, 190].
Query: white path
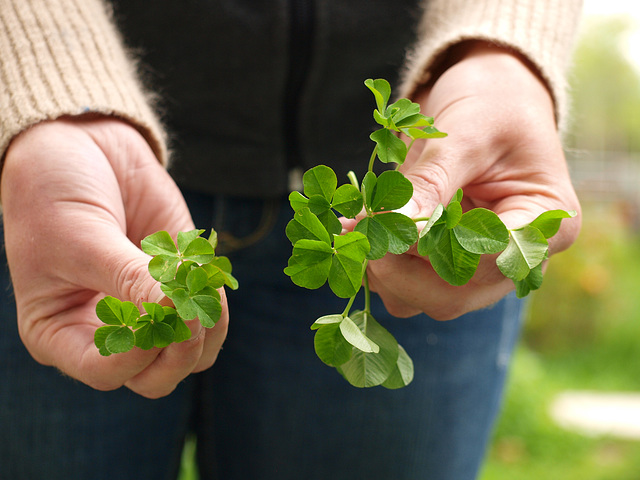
[598, 413]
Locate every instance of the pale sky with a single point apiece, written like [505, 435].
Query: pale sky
[619, 7]
[612, 7]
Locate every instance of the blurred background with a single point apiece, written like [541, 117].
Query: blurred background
[572, 409]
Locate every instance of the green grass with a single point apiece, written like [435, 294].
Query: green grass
[188, 468]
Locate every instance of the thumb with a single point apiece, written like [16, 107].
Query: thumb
[126, 274]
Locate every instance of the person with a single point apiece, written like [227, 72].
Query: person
[249, 93]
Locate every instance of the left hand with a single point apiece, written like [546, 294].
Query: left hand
[504, 151]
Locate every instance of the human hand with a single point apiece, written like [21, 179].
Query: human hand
[78, 196]
[503, 149]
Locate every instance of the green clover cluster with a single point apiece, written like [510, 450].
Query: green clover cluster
[190, 274]
[363, 351]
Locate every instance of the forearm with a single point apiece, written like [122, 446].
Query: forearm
[64, 57]
[539, 32]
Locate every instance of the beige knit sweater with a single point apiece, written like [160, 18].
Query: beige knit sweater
[64, 57]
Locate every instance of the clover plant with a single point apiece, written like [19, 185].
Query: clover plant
[190, 275]
[352, 341]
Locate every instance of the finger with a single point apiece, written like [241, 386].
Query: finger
[172, 365]
[178, 360]
[408, 285]
[214, 338]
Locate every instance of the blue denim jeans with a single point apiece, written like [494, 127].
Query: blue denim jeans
[268, 409]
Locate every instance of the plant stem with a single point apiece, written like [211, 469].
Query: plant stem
[353, 179]
[345, 313]
[367, 292]
[372, 159]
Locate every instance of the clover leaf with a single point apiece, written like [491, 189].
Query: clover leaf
[190, 275]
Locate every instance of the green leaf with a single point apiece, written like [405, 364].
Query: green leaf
[199, 250]
[120, 340]
[527, 249]
[308, 276]
[549, 222]
[326, 320]
[208, 309]
[330, 222]
[532, 281]
[197, 279]
[219, 271]
[185, 238]
[153, 333]
[184, 306]
[143, 336]
[404, 112]
[352, 334]
[100, 337]
[348, 201]
[453, 214]
[402, 374]
[377, 236]
[481, 231]
[381, 119]
[320, 180]
[427, 244]
[390, 147]
[297, 201]
[369, 187]
[310, 263]
[163, 267]
[381, 91]
[113, 311]
[451, 262]
[215, 278]
[159, 243]
[437, 214]
[331, 347]
[181, 274]
[154, 310]
[392, 191]
[401, 231]
[425, 132]
[223, 263]
[371, 369]
[345, 275]
[407, 118]
[231, 281]
[305, 225]
[318, 204]
[213, 239]
[180, 329]
[310, 252]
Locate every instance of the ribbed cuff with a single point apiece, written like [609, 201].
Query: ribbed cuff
[65, 57]
[543, 31]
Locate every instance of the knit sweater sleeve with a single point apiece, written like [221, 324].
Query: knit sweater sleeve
[542, 31]
[65, 57]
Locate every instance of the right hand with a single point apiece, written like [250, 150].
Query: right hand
[78, 196]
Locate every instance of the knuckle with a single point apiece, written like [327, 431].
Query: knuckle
[430, 183]
[154, 392]
[133, 281]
